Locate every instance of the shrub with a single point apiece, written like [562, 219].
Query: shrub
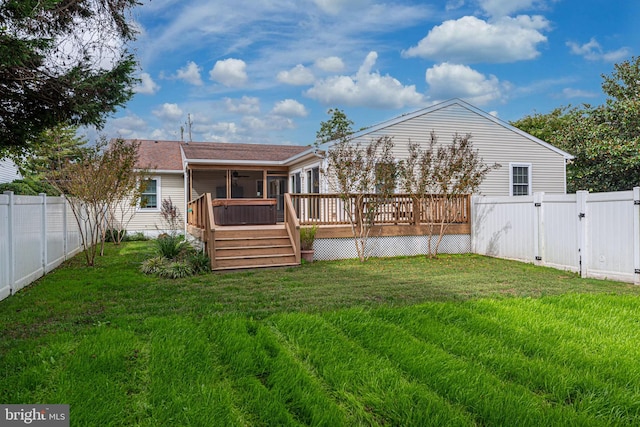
[170, 246]
[307, 237]
[112, 234]
[175, 270]
[136, 237]
[29, 187]
[199, 261]
[154, 265]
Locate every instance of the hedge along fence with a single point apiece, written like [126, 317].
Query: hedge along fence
[37, 233]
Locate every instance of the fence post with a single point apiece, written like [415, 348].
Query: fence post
[65, 229]
[636, 235]
[12, 244]
[43, 236]
[538, 229]
[583, 241]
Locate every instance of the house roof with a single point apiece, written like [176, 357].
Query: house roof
[170, 155]
[463, 104]
[240, 152]
[159, 155]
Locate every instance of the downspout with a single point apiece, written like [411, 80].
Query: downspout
[185, 218]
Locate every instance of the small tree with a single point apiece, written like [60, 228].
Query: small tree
[437, 175]
[102, 177]
[354, 172]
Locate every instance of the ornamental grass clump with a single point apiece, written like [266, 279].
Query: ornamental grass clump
[175, 257]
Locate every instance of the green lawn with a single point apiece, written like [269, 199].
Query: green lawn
[461, 340]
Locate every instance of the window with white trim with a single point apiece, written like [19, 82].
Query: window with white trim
[150, 195]
[520, 179]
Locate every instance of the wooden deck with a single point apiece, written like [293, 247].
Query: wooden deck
[254, 246]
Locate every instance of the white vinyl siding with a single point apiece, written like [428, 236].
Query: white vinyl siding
[8, 171]
[495, 142]
[149, 221]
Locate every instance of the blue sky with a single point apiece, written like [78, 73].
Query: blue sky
[267, 71]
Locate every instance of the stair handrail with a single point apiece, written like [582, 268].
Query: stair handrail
[210, 231]
[292, 224]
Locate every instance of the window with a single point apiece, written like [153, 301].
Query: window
[149, 195]
[520, 179]
[386, 174]
[313, 180]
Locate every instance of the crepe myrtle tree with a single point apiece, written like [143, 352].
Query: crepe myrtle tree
[436, 175]
[355, 171]
[103, 177]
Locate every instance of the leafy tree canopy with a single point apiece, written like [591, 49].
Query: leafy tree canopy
[338, 127]
[605, 139]
[49, 151]
[62, 61]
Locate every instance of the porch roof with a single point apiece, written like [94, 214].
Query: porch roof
[232, 152]
[172, 155]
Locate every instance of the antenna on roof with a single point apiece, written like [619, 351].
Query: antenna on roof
[189, 123]
[182, 133]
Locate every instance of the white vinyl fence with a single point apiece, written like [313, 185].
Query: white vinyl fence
[595, 234]
[37, 233]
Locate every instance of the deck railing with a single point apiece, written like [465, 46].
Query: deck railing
[333, 209]
[200, 215]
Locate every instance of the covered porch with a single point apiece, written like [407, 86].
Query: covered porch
[264, 239]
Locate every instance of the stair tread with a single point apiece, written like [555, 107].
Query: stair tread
[290, 264]
[251, 238]
[280, 255]
[224, 248]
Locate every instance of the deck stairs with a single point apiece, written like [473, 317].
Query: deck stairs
[253, 247]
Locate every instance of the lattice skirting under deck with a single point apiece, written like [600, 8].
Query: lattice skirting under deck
[344, 248]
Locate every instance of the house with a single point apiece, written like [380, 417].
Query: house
[528, 164]
[183, 171]
[8, 171]
[245, 183]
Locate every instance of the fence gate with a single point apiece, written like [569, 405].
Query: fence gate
[594, 234]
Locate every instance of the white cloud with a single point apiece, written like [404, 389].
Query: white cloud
[460, 81]
[592, 51]
[245, 105]
[298, 75]
[230, 72]
[366, 88]
[129, 126]
[334, 7]
[289, 108]
[168, 112]
[190, 74]
[472, 40]
[577, 93]
[331, 64]
[257, 124]
[507, 7]
[146, 86]
[454, 4]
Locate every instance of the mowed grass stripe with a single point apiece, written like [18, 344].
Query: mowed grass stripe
[606, 322]
[101, 370]
[276, 388]
[490, 399]
[188, 385]
[534, 329]
[373, 389]
[584, 390]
